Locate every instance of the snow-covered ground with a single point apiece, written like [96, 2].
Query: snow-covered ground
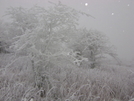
[64, 82]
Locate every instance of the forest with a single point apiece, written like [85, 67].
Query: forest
[46, 56]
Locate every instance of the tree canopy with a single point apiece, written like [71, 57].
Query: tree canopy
[48, 32]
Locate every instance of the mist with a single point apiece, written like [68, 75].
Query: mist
[68, 50]
[112, 17]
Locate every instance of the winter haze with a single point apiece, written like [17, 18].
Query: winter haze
[115, 18]
[67, 50]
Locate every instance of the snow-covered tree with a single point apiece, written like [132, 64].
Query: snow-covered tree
[93, 45]
[22, 18]
[45, 32]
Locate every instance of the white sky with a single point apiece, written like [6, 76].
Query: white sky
[113, 17]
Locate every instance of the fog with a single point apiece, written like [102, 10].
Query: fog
[46, 56]
[112, 17]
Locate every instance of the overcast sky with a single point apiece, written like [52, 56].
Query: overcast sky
[115, 18]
